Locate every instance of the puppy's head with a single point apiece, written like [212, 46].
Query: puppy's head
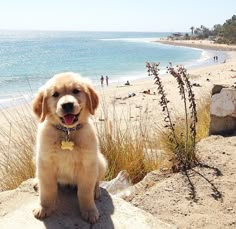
[66, 99]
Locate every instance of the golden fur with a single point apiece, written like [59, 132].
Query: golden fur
[84, 165]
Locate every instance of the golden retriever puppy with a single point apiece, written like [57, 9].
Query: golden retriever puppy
[67, 149]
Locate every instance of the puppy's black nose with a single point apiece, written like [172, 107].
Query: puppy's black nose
[67, 107]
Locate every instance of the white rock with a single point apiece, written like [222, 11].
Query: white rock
[117, 184]
[16, 212]
[223, 110]
[224, 103]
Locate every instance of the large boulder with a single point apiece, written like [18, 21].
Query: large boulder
[223, 110]
[16, 212]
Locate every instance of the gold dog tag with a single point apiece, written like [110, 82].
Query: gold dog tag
[67, 145]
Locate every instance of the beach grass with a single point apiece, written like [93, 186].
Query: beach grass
[128, 145]
[202, 129]
[203, 117]
[16, 148]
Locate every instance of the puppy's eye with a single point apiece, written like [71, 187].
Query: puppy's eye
[55, 94]
[75, 91]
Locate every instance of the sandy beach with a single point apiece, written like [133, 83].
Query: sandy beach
[131, 100]
[202, 44]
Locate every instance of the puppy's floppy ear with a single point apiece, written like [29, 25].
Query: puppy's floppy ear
[40, 105]
[92, 99]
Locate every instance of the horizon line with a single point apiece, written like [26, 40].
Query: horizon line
[103, 31]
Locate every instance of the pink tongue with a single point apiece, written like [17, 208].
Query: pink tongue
[69, 119]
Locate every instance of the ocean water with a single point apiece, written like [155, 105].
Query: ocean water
[28, 59]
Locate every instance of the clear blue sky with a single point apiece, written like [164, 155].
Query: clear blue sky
[114, 15]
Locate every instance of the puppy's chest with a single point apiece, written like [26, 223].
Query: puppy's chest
[68, 152]
[68, 165]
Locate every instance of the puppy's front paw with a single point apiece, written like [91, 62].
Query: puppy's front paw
[42, 212]
[90, 215]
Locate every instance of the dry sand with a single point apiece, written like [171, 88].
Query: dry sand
[168, 197]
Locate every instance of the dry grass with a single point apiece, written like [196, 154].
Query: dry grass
[203, 117]
[202, 126]
[127, 144]
[17, 140]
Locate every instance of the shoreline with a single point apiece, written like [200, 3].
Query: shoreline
[201, 44]
[224, 52]
[146, 81]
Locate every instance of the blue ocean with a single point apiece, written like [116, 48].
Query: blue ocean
[29, 58]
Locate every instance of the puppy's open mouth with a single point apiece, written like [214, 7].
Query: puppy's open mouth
[70, 119]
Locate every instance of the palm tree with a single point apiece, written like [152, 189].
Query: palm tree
[192, 28]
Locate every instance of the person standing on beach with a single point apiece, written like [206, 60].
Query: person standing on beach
[102, 79]
[107, 78]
